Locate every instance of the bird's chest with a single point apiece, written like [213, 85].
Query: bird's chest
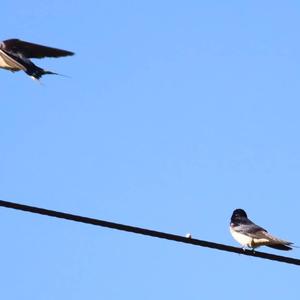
[3, 62]
[243, 239]
[8, 63]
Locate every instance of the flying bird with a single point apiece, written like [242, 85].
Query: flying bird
[15, 56]
[248, 234]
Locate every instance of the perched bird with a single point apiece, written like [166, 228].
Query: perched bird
[251, 235]
[15, 56]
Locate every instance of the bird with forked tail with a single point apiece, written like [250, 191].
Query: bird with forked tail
[248, 234]
[15, 56]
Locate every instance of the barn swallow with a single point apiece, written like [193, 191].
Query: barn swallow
[251, 235]
[15, 56]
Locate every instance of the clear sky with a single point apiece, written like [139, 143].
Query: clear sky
[173, 114]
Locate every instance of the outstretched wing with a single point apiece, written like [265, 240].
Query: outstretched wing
[31, 50]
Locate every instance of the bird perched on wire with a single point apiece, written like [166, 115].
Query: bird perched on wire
[15, 56]
[248, 234]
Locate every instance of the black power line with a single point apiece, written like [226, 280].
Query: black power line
[153, 233]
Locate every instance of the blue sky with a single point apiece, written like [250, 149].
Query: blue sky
[173, 115]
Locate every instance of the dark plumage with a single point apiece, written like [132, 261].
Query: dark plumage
[251, 235]
[15, 56]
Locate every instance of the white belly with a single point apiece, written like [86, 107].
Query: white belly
[244, 240]
[3, 63]
[6, 62]
[248, 241]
